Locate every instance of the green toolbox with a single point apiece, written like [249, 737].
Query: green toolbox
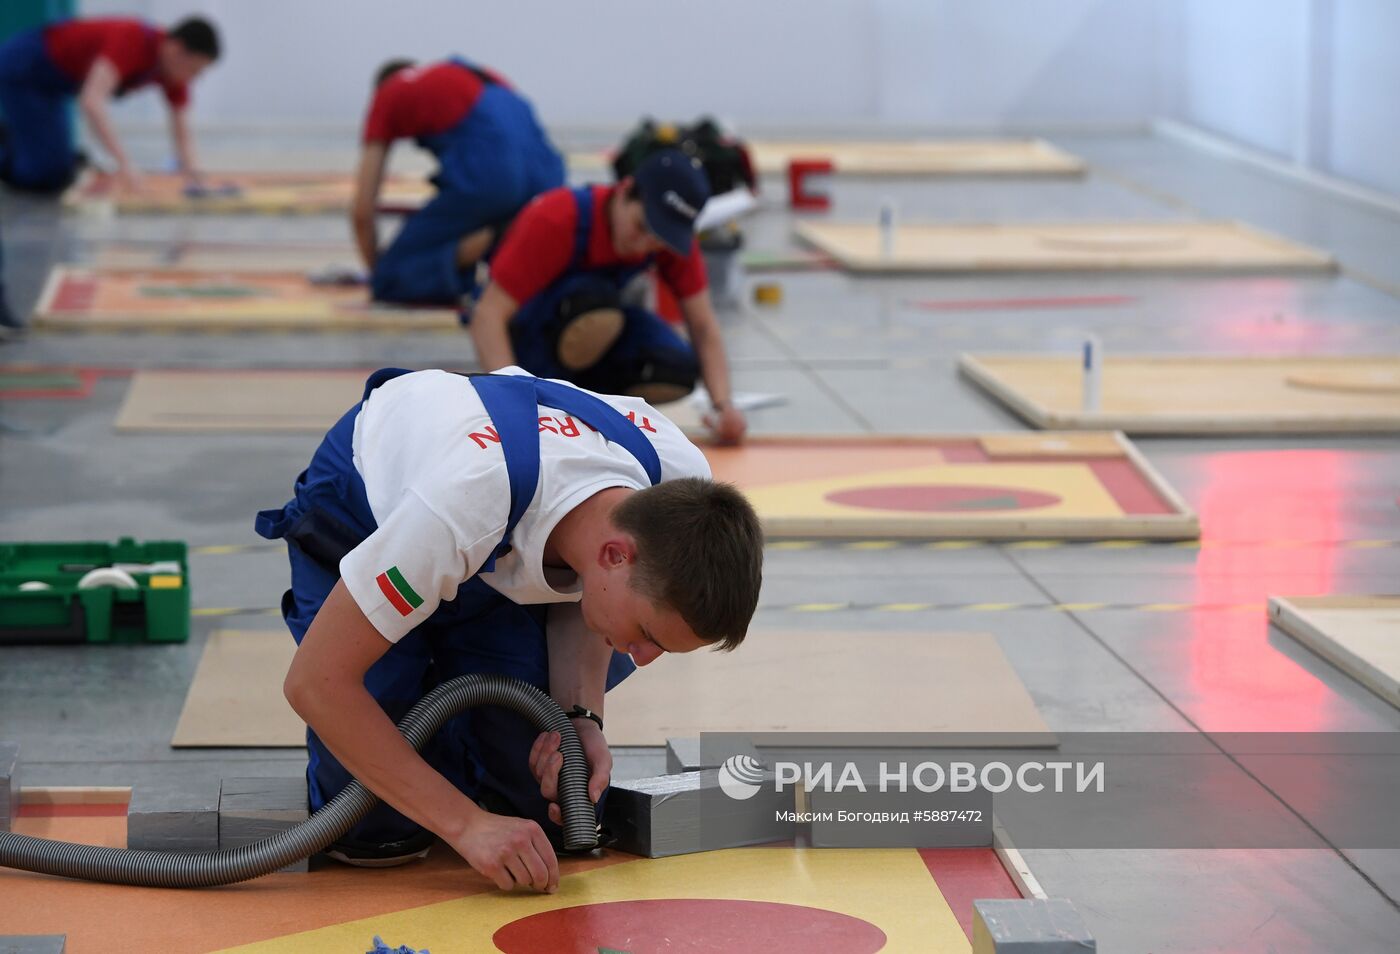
[123, 592]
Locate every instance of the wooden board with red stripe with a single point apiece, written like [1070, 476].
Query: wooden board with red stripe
[1002, 486]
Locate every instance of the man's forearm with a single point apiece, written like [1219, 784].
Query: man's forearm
[95, 112]
[708, 343]
[184, 144]
[578, 659]
[361, 736]
[490, 329]
[363, 226]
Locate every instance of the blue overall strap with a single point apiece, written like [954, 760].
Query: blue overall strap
[380, 377]
[583, 228]
[513, 401]
[510, 402]
[603, 418]
[583, 231]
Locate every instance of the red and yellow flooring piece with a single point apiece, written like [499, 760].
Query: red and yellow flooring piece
[266, 193]
[770, 899]
[124, 299]
[993, 486]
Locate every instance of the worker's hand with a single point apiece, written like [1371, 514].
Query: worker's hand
[727, 424]
[513, 852]
[546, 760]
[127, 179]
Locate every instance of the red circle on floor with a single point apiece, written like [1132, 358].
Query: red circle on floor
[942, 498]
[672, 925]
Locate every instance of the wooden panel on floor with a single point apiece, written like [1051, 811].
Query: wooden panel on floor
[774, 899]
[235, 699]
[953, 486]
[920, 157]
[180, 299]
[229, 193]
[831, 681]
[225, 256]
[1360, 635]
[1198, 394]
[1058, 247]
[302, 401]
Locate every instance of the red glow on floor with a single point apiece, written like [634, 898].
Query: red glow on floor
[1241, 682]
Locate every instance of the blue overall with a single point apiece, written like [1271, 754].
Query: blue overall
[496, 159]
[37, 151]
[485, 751]
[646, 339]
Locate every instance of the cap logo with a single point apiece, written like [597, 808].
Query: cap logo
[679, 204]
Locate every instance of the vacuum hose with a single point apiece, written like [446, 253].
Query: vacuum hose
[160, 869]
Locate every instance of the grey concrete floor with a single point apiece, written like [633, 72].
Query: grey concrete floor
[1280, 515]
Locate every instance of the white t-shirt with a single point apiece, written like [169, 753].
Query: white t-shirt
[437, 485]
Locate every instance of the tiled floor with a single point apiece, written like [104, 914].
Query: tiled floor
[1303, 516]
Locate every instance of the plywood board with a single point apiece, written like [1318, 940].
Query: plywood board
[173, 299]
[1360, 635]
[920, 157]
[235, 699]
[928, 157]
[1197, 394]
[225, 256]
[300, 401]
[942, 487]
[266, 193]
[1058, 247]
[776, 899]
[812, 681]
[291, 400]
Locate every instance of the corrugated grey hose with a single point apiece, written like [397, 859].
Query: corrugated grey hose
[161, 869]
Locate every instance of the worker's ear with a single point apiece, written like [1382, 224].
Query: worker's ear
[617, 551]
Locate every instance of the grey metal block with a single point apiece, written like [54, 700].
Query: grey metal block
[683, 755]
[706, 752]
[1029, 926]
[32, 943]
[251, 809]
[182, 818]
[9, 784]
[685, 813]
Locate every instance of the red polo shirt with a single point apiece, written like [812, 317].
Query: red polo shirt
[539, 247]
[423, 101]
[132, 46]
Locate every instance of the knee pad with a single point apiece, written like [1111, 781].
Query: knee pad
[657, 377]
[588, 323]
[664, 377]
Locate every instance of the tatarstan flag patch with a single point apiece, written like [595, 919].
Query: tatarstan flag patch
[397, 591]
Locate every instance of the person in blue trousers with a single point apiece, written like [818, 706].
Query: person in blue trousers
[494, 523]
[493, 157]
[559, 305]
[44, 69]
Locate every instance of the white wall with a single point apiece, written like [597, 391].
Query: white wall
[1363, 121]
[1240, 63]
[774, 63]
[1309, 81]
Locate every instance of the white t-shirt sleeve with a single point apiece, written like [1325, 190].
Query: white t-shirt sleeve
[413, 562]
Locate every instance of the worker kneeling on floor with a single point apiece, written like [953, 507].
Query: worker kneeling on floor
[559, 301]
[494, 523]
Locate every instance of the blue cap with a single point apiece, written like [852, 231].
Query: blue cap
[673, 190]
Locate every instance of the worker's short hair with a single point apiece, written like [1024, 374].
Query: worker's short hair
[699, 552]
[388, 68]
[197, 35]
